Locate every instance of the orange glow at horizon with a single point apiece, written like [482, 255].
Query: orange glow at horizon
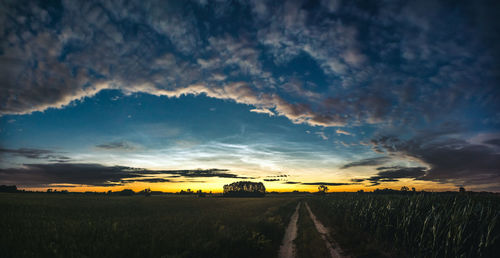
[216, 187]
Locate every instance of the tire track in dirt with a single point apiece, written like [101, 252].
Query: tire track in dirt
[287, 248]
[331, 245]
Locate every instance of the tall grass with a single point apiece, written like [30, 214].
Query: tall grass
[41, 225]
[421, 225]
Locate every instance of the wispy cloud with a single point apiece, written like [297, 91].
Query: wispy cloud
[318, 183]
[322, 135]
[262, 111]
[340, 131]
[32, 153]
[116, 146]
[367, 162]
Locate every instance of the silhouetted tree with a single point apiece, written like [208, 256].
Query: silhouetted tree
[386, 191]
[8, 188]
[127, 192]
[322, 189]
[146, 192]
[188, 191]
[405, 189]
[200, 193]
[245, 188]
[413, 189]
[461, 189]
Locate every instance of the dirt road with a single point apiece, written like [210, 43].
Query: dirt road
[287, 249]
[333, 248]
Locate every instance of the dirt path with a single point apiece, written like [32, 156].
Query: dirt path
[287, 249]
[333, 248]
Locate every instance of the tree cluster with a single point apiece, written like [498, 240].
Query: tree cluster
[245, 189]
[8, 188]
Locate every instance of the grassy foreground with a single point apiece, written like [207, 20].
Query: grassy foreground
[308, 242]
[34, 225]
[414, 225]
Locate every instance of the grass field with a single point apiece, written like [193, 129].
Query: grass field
[34, 225]
[365, 225]
[414, 225]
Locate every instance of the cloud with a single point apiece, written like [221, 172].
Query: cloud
[243, 93]
[393, 174]
[121, 145]
[97, 174]
[262, 111]
[35, 154]
[317, 183]
[275, 178]
[326, 183]
[148, 180]
[339, 131]
[296, 88]
[449, 159]
[203, 173]
[367, 162]
[67, 54]
[322, 135]
[66, 173]
[495, 142]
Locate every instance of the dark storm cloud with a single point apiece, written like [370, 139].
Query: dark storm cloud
[97, 174]
[67, 173]
[367, 162]
[493, 142]
[393, 174]
[380, 62]
[35, 154]
[450, 159]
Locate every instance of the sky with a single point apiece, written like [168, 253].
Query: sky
[170, 95]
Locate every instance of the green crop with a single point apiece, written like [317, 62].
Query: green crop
[43, 225]
[419, 225]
